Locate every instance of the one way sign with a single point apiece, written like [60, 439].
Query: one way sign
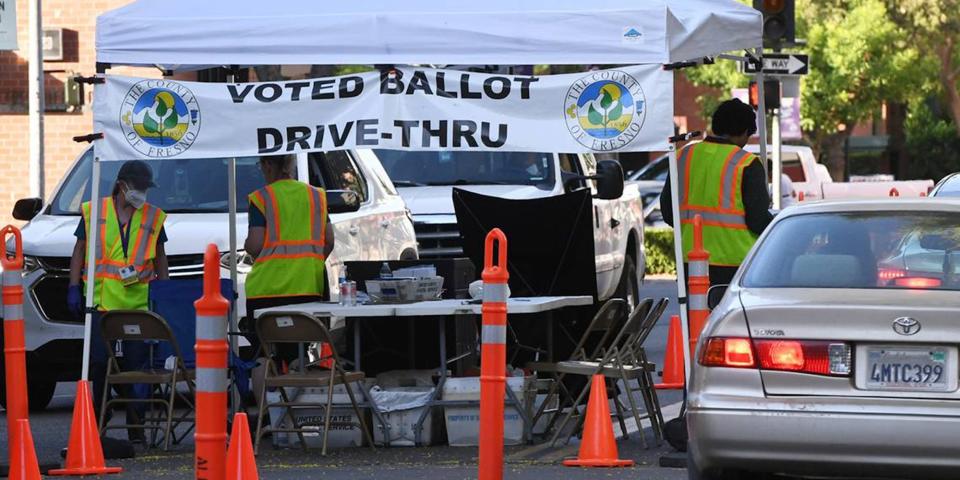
[780, 64]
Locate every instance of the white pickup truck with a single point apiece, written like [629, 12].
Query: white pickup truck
[426, 181]
[193, 192]
[813, 181]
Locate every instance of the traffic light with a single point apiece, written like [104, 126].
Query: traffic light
[779, 28]
[771, 94]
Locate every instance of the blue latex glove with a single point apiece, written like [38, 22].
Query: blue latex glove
[75, 300]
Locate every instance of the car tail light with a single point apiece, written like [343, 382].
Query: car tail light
[805, 356]
[884, 275]
[728, 352]
[917, 282]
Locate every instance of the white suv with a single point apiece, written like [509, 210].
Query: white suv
[193, 192]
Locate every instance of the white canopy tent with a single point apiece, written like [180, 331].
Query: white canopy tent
[187, 35]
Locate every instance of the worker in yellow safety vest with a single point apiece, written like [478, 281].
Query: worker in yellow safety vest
[726, 186]
[129, 255]
[289, 235]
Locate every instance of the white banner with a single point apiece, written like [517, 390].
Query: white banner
[8, 24]
[625, 109]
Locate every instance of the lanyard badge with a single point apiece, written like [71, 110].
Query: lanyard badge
[128, 275]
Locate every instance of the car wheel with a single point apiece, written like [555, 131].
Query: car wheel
[40, 385]
[628, 289]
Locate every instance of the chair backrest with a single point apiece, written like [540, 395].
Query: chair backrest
[630, 328]
[631, 350]
[608, 319]
[136, 325]
[293, 327]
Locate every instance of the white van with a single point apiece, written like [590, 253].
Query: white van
[193, 192]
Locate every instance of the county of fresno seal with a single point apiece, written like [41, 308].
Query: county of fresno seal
[605, 110]
[160, 118]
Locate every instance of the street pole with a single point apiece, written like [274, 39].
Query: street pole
[36, 99]
[777, 166]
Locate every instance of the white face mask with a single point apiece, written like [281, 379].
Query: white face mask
[136, 198]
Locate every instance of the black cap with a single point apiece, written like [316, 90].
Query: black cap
[137, 173]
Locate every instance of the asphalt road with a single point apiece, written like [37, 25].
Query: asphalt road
[51, 428]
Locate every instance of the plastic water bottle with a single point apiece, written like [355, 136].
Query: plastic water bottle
[385, 273]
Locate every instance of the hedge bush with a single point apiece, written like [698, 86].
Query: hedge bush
[658, 243]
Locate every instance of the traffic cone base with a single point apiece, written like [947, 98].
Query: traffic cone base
[241, 464]
[84, 452]
[673, 376]
[23, 456]
[599, 447]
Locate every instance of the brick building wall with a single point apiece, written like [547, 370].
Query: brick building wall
[78, 20]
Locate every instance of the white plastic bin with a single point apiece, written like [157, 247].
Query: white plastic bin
[313, 417]
[463, 423]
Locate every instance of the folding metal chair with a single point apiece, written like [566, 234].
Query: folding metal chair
[139, 325]
[594, 340]
[277, 328]
[622, 361]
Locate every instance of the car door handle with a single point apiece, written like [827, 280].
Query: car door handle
[385, 223]
[614, 223]
[354, 230]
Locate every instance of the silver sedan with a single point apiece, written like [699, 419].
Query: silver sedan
[820, 362]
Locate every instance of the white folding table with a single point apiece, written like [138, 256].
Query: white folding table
[437, 310]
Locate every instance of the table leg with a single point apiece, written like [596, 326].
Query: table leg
[356, 345]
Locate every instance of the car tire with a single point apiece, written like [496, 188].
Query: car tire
[40, 384]
[628, 289]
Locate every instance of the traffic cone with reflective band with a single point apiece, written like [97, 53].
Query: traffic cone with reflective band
[598, 447]
[84, 452]
[211, 391]
[23, 456]
[699, 282]
[14, 343]
[241, 464]
[493, 356]
[673, 376]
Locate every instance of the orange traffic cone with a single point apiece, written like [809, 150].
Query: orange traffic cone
[241, 464]
[23, 457]
[673, 377]
[84, 452]
[599, 447]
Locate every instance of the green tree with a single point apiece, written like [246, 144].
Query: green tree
[859, 59]
[933, 26]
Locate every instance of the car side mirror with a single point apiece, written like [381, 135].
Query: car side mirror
[609, 179]
[27, 208]
[715, 295]
[342, 201]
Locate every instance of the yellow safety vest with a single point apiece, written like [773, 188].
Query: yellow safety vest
[711, 176]
[292, 260]
[109, 290]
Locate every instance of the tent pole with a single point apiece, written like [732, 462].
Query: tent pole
[678, 255]
[232, 204]
[91, 263]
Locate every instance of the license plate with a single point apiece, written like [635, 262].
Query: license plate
[909, 368]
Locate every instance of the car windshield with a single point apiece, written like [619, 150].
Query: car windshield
[183, 185]
[655, 170]
[950, 188]
[413, 169]
[905, 249]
